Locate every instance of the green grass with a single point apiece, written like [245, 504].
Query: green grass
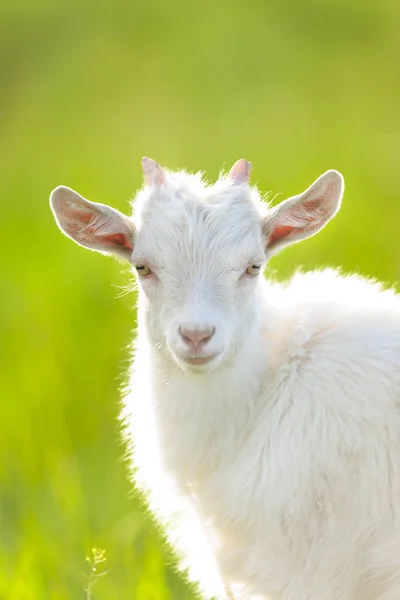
[85, 91]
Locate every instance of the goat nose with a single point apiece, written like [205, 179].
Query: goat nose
[196, 337]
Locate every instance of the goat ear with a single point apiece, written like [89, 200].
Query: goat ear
[302, 216]
[240, 172]
[95, 226]
[154, 175]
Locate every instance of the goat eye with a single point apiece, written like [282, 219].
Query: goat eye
[253, 270]
[143, 270]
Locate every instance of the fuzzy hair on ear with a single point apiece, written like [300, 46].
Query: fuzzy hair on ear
[95, 226]
[304, 215]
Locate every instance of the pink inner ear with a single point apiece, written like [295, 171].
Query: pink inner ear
[82, 216]
[279, 232]
[312, 205]
[310, 215]
[109, 239]
[74, 220]
[117, 239]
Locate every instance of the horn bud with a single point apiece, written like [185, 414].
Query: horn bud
[154, 175]
[240, 172]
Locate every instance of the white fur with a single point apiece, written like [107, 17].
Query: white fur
[275, 466]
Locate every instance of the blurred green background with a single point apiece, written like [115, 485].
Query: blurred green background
[86, 90]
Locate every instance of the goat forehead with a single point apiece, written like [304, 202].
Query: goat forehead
[200, 232]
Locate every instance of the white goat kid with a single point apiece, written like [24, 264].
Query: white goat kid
[269, 414]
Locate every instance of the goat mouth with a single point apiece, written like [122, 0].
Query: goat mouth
[198, 360]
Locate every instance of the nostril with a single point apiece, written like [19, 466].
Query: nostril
[196, 337]
[205, 334]
[185, 334]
